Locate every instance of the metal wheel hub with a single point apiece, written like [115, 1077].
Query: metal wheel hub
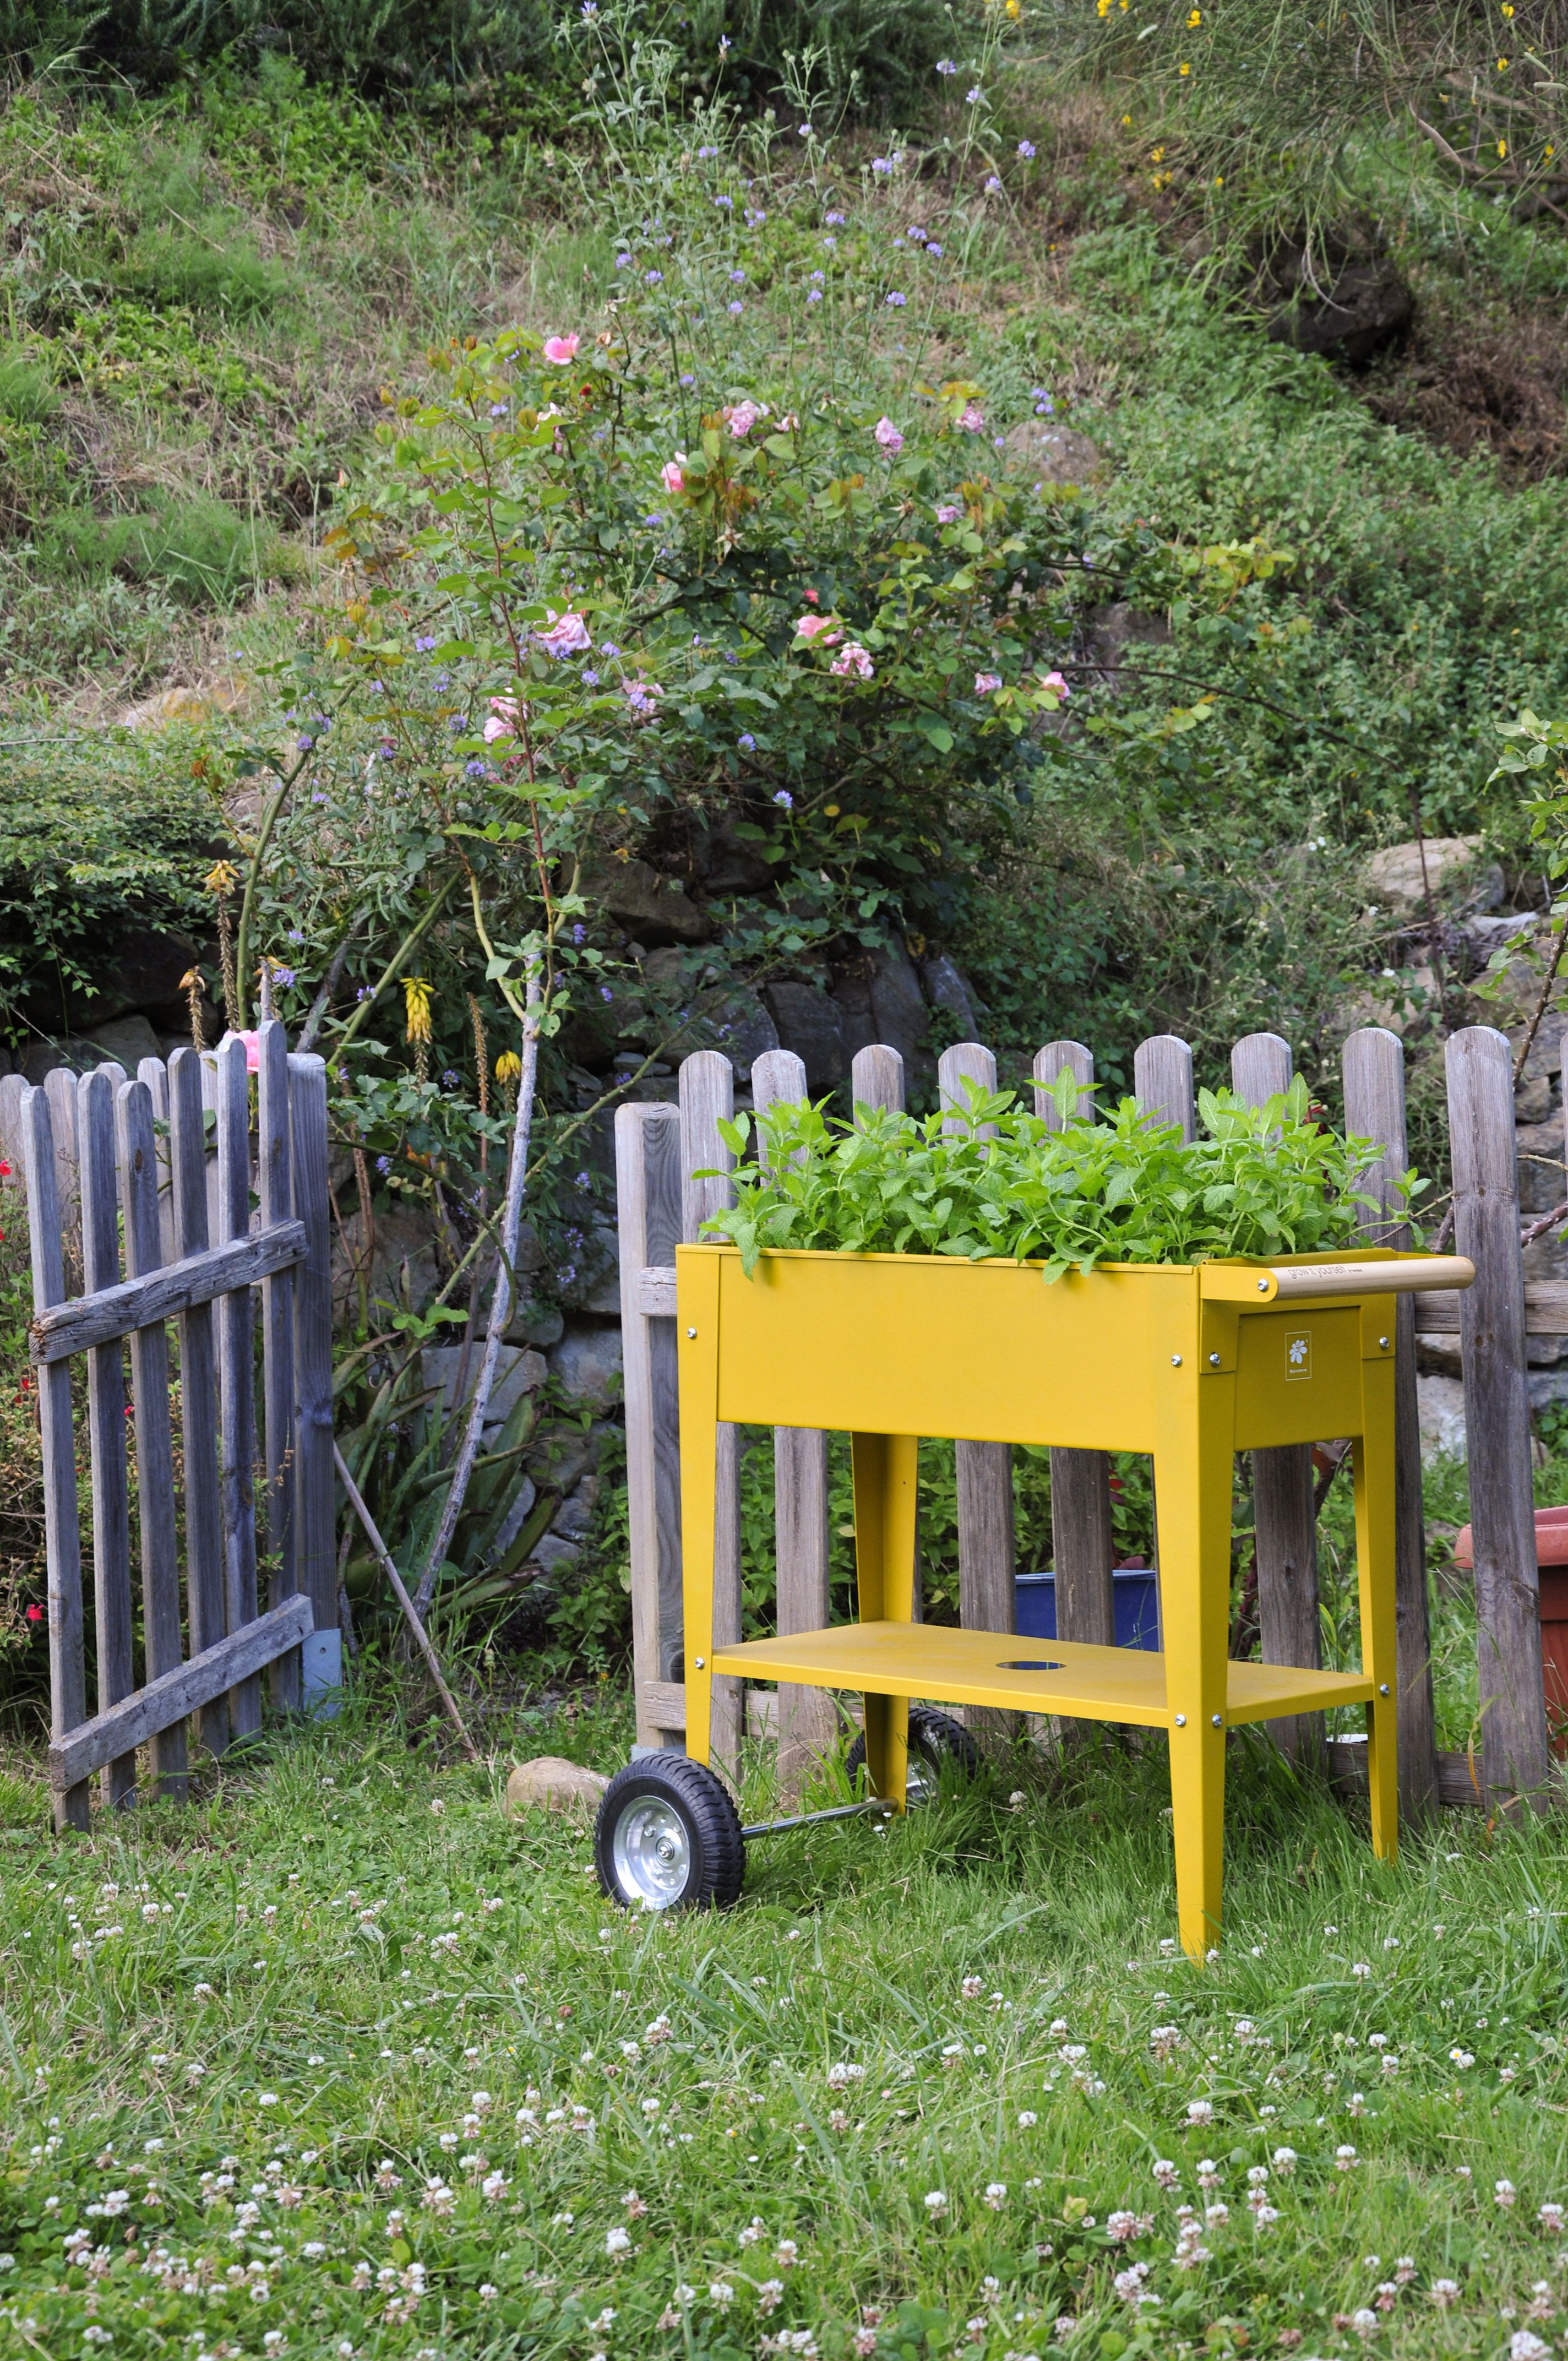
[651, 1851]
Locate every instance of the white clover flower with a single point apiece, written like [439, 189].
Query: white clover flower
[721, 2292]
[1360, 1970]
[936, 2203]
[1200, 2112]
[617, 2241]
[1027, 2119]
[1284, 2160]
[1346, 2159]
[1504, 2192]
[996, 2195]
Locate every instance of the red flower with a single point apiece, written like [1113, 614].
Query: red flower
[35, 1615]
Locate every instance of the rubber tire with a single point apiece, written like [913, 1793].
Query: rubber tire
[935, 1737]
[706, 1811]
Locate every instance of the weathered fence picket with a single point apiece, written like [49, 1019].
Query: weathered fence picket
[707, 1097]
[658, 1150]
[1497, 1413]
[1286, 1529]
[108, 1158]
[1373, 1071]
[1083, 1548]
[807, 1718]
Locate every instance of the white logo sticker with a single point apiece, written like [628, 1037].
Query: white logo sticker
[1298, 1353]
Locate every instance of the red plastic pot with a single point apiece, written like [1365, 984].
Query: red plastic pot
[1552, 1558]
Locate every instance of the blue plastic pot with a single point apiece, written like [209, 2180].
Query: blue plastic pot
[1135, 1589]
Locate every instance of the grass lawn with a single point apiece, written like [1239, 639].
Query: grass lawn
[339, 2059]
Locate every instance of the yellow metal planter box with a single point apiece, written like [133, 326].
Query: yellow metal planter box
[1191, 1363]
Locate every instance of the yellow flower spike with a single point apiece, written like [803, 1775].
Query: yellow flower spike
[508, 1067]
[417, 998]
[221, 878]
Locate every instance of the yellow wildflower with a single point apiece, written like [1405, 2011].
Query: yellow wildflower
[508, 1067]
[1502, 65]
[417, 998]
[1502, 148]
[221, 878]
[1183, 69]
[1195, 19]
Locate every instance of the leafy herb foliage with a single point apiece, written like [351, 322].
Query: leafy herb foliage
[992, 1179]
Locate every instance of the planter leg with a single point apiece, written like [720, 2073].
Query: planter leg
[697, 1330]
[1376, 1566]
[885, 1469]
[1197, 1825]
[1192, 1489]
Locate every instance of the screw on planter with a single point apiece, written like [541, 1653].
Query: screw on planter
[1213, 1360]
[699, 1663]
[1181, 1722]
[1176, 1360]
[1217, 1720]
[1382, 1688]
[1383, 1344]
[691, 1331]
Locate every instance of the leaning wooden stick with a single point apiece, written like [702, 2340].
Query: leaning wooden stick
[404, 1601]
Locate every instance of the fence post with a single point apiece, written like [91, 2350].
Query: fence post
[316, 1561]
[274, 1184]
[1286, 1530]
[1374, 1070]
[62, 1536]
[113, 1613]
[808, 1721]
[198, 1385]
[706, 1095]
[988, 1597]
[237, 1392]
[648, 1203]
[877, 1080]
[154, 1441]
[1083, 1548]
[1497, 1415]
[1162, 1082]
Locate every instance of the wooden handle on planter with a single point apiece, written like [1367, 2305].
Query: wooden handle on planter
[1295, 1281]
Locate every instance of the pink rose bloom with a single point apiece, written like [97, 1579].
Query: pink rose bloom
[985, 682]
[812, 627]
[948, 514]
[669, 474]
[973, 419]
[252, 1048]
[504, 715]
[740, 417]
[854, 661]
[562, 350]
[1054, 683]
[568, 634]
[888, 435]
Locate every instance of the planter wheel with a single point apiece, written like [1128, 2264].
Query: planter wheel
[935, 1739]
[668, 1837]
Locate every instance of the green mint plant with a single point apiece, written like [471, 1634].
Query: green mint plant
[993, 1180]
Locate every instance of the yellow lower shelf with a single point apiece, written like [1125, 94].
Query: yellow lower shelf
[953, 1667]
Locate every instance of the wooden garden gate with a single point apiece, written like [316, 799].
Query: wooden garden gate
[659, 1147]
[116, 1167]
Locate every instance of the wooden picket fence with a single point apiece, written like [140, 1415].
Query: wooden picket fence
[660, 1147]
[117, 1168]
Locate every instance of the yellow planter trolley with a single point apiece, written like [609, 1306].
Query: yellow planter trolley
[1190, 1363]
